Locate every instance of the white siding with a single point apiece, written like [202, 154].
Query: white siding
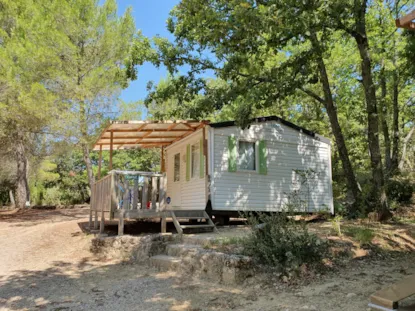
[288, 150]
[190, 195]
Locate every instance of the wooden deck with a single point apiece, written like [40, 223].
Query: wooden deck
[127, 194]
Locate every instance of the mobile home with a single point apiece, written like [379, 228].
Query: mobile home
[221, 169]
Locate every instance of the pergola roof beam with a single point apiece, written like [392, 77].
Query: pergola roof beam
[406, 21]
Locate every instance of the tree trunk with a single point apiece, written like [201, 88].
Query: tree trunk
[11, 196]
[379, 193]
[405, 145]
[22, 189]
[84, 144]
[395, 124]
[88, 163]
[352, 185]
[383, 114]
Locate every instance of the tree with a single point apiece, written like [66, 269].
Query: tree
[27, 66]
[264, 56]
[99, 42]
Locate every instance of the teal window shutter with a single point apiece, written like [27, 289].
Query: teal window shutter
[262, 150]
[202, 160]
[232, 154]
[187, 162]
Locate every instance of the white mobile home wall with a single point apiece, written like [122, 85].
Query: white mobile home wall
[287, 150]
[184, 195]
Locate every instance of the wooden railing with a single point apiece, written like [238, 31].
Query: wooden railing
[127, 190]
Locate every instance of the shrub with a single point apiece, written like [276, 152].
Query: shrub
[400, 189]
[282, 242]
[52, 196]
[336, 224]
[363, 235]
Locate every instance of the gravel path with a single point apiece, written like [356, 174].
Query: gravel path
[45, 264]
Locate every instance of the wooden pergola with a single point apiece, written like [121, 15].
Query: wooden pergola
[406, 21]
[120, 135]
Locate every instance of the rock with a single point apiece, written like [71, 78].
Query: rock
[351, 295]
[285, 279]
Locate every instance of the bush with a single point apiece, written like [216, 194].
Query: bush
[400, 189]
[284, 243]
[52, 196]
[363, 235]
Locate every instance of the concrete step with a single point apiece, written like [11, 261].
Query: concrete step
[165, 262]
[178, 250]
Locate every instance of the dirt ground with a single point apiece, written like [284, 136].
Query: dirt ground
[45, 264]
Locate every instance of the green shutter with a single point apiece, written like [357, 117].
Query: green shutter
[202, 160]
[188, 162]
[232, 154]
[262, 150]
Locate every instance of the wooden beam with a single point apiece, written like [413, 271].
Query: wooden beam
[144, 136]
[99, 162]
[147, 130]
[187, 134]
[172, 126]
[139, 142]
[189, 126]
[404, 20]
[111, 149]
[136, 137]
[410, 26]
[103, 133]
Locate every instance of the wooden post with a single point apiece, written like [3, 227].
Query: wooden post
[100, 161]
[111, 149]
[121, 222]
[163, 224]
[162, 165]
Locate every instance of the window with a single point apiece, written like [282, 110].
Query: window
[195, 160]
[246, 156]
[177, 167]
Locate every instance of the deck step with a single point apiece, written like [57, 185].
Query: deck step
[196, 226]
[177, 215]
[195, 217]
[165, 262]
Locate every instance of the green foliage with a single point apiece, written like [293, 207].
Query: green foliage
[283, 243]
[336, 224]
[363, 235]
[400, 189]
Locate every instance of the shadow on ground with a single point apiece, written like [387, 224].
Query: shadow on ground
[139, 227]
[29, 217]
[111, 287]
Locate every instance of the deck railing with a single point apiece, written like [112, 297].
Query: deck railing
[126, 190]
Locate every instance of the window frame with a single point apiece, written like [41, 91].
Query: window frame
[174, 167]
[197, 159]
[255, 142]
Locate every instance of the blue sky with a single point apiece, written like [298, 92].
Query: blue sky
[150, 16]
